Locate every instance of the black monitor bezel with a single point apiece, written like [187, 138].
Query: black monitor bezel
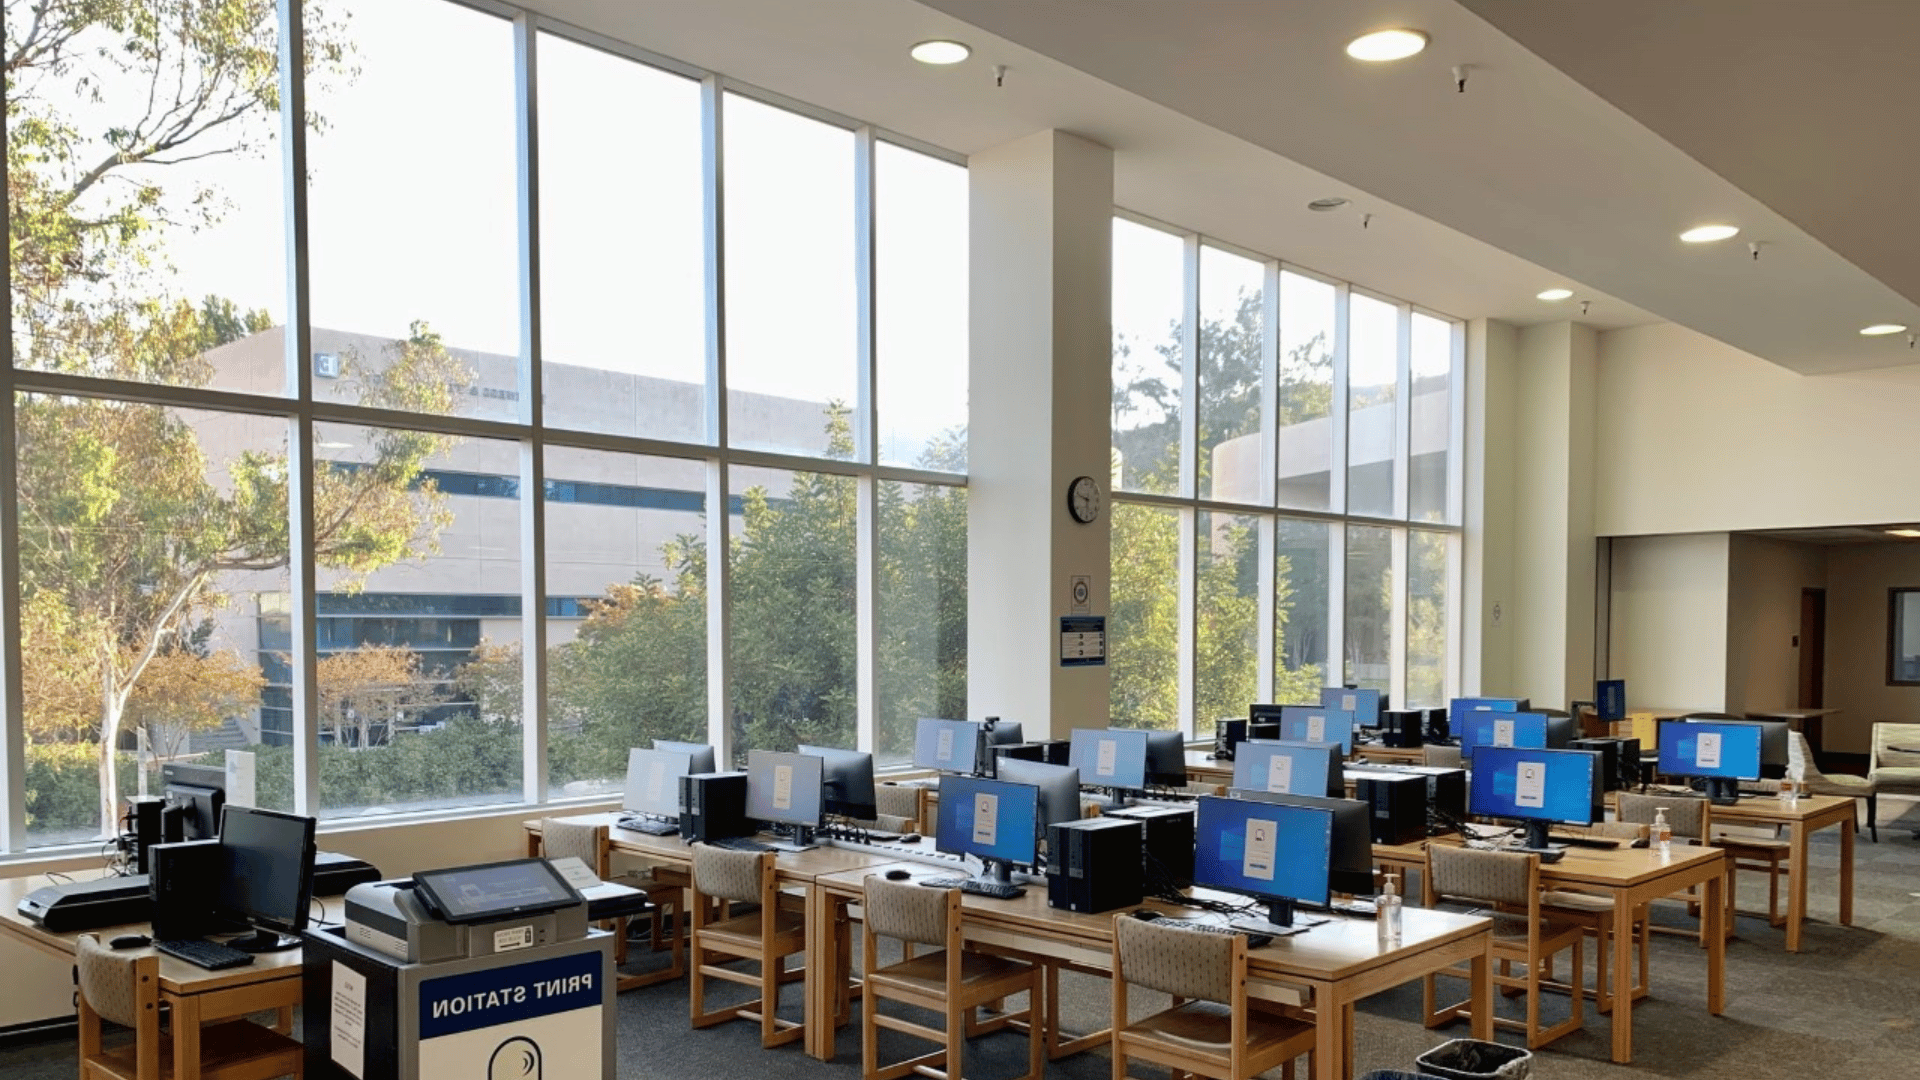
[304, 896]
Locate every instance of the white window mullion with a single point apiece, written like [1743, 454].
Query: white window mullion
[1397, 617]
[866, 424]
[1337, 411]
[1336, 672]
[866, 633]
[1266, 533]
[1403, 412]
[1190, 368]
[302, 571]
[533, 532]
[1189, 625]
[719, 520]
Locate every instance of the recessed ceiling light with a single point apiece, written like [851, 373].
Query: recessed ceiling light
[1707, 234]
[1332, 202]
[940, 51]
[1911, 534]
[1555, 294]
[1387, 45]
[1879, 329]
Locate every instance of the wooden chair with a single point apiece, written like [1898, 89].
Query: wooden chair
[124, 988]
[591, 844]
[952, 981]
[1841, 784]
[897, 808]
[1594, 914]
[1895, 764]
[1510, 882]
[1768, 855]
[1212, 1029]
[1692, 819]
[768, 936]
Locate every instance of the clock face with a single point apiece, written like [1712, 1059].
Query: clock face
[1083, 499]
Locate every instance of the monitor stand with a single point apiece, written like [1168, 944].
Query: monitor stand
[263, 940]
[995, 872]
[1723, 791]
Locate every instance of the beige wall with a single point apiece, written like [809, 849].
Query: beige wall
[1765, 579]
[1668, 620]
[1699, 437]
[1858, 577]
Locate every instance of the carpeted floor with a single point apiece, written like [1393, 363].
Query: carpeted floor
[1848, 1005]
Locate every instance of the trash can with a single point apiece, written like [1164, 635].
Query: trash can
[1471, 1059]
[1396, 1074]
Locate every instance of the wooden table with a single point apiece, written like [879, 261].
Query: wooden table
[1809, 815]
[825, 992]
[1329, 967]
[195, 995]
[1632, 877]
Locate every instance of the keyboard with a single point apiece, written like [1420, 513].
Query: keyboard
[1605, 842]
[740, 843]
[648, 825]
[976, 887]
[207, 954]
[1254, 941]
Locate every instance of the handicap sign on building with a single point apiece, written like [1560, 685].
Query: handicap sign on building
[533, 1021]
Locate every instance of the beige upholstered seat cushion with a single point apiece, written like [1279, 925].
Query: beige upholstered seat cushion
[927, 972]
[1207, 1027]
[568, 839]
[1512, 929]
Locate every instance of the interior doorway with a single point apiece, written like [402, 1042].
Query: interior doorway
[1813, 648]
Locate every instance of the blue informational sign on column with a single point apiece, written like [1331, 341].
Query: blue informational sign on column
[533, 1021]
[1083, 640]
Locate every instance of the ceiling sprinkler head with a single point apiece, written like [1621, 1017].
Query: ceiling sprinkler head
[1330, 203]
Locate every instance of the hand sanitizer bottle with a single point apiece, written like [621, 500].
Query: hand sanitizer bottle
[1387, 914]
[1662, 832]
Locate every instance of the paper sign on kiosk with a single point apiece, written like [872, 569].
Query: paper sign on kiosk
[783, 787]
[1261, 838]
[1109, 750]
[1503, 733]
[1316, 729]
[986, 819]
[1530, 784]
[1706, 750]
[348, 1020]
[1280, 774]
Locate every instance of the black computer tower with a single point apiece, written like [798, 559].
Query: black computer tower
[144, 812]
[1396, 805]
[1094, 864]
[1053, 751]
[1401, 728]
[1025, 751]
[714, 806]
[1438, 730]
[182, 884]
[1609, 751]
[1169, 837]
[1228, 732]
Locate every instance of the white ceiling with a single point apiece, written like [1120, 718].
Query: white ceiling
[1227, 116]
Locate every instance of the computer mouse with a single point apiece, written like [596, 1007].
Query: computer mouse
[910, 838]
[898, 875]
[129, 941]
[1144, 914]
[1640, 843]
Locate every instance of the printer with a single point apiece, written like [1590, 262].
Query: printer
[391, 918]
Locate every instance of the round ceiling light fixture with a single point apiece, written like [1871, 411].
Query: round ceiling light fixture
[1554, 294]
[1707, 234]
[940, 51]
[1383, 45]
[1331, 202]
[1882, 329]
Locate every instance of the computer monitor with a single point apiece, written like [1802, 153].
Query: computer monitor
[653, 782]
[1365, 705]
[1267, 713]
[946, 745]
[1351, 861]
[1115, 758]
[1773, 745]
[1536, 785]
[1059, 788]
[847, 776]
[1723, 752]
[267, 880]
[1484, 704]
[1274, 853]
[702, 755]
[1610, 699]
[1166, 758]
[786, 789]
[1561, 731]
[995, 821]
[1228, 732]
[1002, 732]
[195, 794]
[1484, 728]
[1315, 723]
[1297, 768]
[1263, 729]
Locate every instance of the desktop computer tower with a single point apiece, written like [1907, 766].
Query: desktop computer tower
[182, 885]
[1609, 764]
[1401, 728]
[1052, 751]
[1396, 805]
[1228, 732]
[1094, 864]
[1169, 839]
[145, 812]
[1438, 731]
[714, 806]
[1025, 751]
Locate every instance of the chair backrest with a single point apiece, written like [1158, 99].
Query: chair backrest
[1893, 745]
[573, 839]
[898, 800]
[1511, 878]
[1800, 755]
[1618, 830]
[1686, 813]
[113, 983]
[1445, 757]
[740, 876]
[910, 912]
[1178, 962]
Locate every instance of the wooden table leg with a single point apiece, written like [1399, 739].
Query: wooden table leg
[1327, 1036]
[1796, 888]
[1623, 961]
[1480, 976]
[186, 1037]
[1846, 868]
[1717, 950]
[823, 973]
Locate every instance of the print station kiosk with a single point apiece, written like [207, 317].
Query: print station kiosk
[476, 973]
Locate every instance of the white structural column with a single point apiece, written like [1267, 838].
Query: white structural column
[1041, 342]
[1486, 662]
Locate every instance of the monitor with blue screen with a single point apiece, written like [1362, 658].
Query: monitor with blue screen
[1483, 704]
[947, 745]
[1276, 854]
[995, 821]
[1316, 723]
[1536, 785]
[1297, 768]
[1113, 758]
[1363, 704]
[1483, 728]
[1722, 753]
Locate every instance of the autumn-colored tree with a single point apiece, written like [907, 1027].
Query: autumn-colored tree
[183, 691]
[366, 692]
